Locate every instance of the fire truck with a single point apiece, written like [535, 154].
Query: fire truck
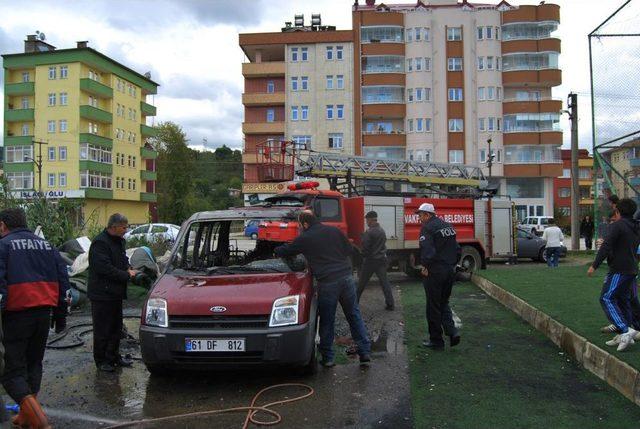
[485, 225]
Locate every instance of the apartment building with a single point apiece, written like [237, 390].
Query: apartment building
[87, 115]
[625, 159]
[562, 184]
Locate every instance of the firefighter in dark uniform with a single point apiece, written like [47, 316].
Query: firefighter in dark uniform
[33, 281]
[439, 254]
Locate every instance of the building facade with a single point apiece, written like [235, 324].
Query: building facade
[625, 159]
[562, 184]
[75, 126]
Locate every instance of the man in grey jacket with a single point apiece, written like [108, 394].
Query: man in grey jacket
[374, 252]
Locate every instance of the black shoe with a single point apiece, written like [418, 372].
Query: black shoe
[390, 308]
[125, 361]
[327, 363]
[454, 340]
[106, 367]
[365, 360]
[433, 346]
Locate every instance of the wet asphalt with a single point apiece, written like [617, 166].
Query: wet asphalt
[76, 395]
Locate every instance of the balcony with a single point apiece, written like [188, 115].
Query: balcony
[147, 153]
[17, 167]
[526, 13]
[513, 106]
[22, 88]
[94, 114]
[263, 127]
[387, 111]
[96, 88]
[533, 138]
[268, 69]
[383, 79]
[386, 48]
[384, 139]
[99, 194]
[547, 77]
[18, 140]
[19, 115]
[263, 98]
[147, 109]
[585, 182]
[96, 166]
[544, 45]
[533, 170]
[148, 131]
[148, 197]
[96, 140]
[148, 175]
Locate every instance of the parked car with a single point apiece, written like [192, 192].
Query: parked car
[535, 224]
[251, 229]
[218, 306]
[154, 232]
[532, 246]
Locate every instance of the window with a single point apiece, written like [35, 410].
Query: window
[25, 129]
[455, 94]
[497, 33]
[491, 93]
[19, 153]
[304, 54]
[294, 55]
[410, 125]
[52, 99]
[62, 153]
[409, 65]
[63, 98]
[418, 34]
[95, 153]
[25, 77]
[489, 32]
[271, 88]
[418, 64]
[427, 125]
[454, 33]
[480, 33]
[329, 81]
[409, 36]
[380, 33]
[133, 162]
[454, 64]
[340, 111]
[294, 113]
[329, 52]
[304, 83]
[329, 111]
[51, 180]
[530, 61]
[566, 173]
[339, 52]
[22, 180]
[93, 101]
[294, 83]
[52, 154]
[564, 192]
[498, 63]
[427, 94]
[498, 124]
[483, 155]
[419, 95]
[426, 34]
[271, 116]
[64, 72]
[410, 95]
[63, 125]
[455, 125]
[302, 142]
[419, 125]
[340, 81]
[456, 157]
[52, 72]
[480, 63]
[481, 124]
[529, 187]
[481, 93]
[489, 62]
[584, 173]
[51, 126]
[327, 209]
[491, 124]
[305, 113]
[335, 140]
[93, 128]
[94, 179]
[427, 64]
[498, 93]
[382, 94]
[25, 102]
[62, 180]
[129, 160]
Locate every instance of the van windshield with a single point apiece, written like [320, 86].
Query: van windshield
[221, 248]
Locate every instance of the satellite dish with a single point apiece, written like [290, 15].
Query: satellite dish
[147, 75]
[42, 36]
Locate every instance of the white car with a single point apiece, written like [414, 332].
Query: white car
[535, 224]
[154, 232]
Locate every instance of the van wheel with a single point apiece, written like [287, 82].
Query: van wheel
[470, 260]
[311, 367]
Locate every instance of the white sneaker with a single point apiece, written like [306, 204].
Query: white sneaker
[626, 339]
[614, 341]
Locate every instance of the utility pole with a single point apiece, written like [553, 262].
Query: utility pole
[572, 102]
[38, 163]
[489, 158]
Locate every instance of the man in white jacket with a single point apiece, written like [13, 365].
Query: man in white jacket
[554, 238]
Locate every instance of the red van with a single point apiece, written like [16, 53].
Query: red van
[225, 301]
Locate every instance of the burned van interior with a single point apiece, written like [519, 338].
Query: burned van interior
[217, 247]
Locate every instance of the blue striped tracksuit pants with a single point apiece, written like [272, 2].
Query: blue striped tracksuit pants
[616, 296]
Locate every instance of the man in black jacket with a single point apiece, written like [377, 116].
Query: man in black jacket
[374, 252]
[328, 253]
[109, 272]
[586, 230]
[439, 254]
[620, 248]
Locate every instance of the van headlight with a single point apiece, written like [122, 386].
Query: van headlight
[285, 311]
[156, 314]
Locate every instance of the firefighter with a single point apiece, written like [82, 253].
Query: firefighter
[33, 281]
[374, 252]
[439, 254]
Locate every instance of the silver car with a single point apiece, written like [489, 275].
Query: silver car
[532, 246]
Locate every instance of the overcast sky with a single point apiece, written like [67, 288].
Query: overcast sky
[191, 48]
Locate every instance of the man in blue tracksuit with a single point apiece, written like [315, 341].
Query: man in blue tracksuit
[33, 282]
[620, 249]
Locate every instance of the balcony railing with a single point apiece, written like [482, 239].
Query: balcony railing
[96, 88]
[148, 197]
[148, 175]
[147, 153]
[95, 114]
[539, 129]
[22, 88]
[533, 161]
[19, 115]
[96, 140]
[147, 109]
[146, 130]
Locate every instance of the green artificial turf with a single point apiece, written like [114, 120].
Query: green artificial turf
[504, 374]
[567, 295]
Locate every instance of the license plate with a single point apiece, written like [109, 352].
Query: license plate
[214, 344]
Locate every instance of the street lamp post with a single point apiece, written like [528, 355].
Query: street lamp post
[489, 158]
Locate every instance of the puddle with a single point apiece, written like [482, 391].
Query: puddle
[385, 342]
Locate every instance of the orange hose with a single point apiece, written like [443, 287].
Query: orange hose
[251, 410]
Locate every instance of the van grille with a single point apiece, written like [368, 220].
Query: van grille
[219, 322]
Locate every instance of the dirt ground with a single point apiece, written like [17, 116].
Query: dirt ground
[76, 395]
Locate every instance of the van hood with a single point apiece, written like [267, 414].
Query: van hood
[240, 294]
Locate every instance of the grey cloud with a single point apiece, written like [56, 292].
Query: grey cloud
[179, 87]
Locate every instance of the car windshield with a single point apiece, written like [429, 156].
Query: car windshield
[221, 248]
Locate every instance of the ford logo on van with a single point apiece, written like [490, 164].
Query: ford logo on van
[218, 309]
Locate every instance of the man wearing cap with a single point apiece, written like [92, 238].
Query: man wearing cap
[439, 254]
[374, 252]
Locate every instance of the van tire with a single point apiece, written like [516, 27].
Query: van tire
[311, 367]
[470, 259]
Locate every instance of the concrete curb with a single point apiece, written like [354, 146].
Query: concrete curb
[618, 374]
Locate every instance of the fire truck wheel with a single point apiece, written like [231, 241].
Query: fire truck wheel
[470, 259]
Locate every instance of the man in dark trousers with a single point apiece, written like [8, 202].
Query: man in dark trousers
[439, 254]
[328, 253]
[586, 230]
[620, 248]
[109, 272]
[33, 281]
[374, 252]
